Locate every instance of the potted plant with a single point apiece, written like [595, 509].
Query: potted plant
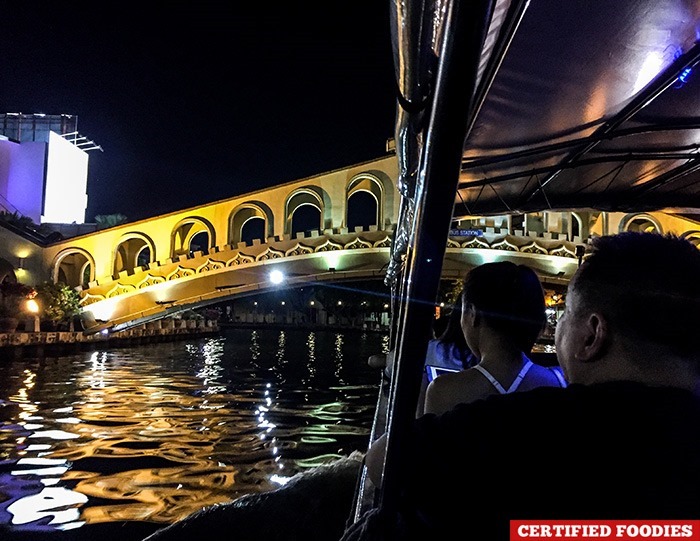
[13, 297]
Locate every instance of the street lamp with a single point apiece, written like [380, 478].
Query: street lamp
[33, 322]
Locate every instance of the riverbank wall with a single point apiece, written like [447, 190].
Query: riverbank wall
[304, 326]
[54, 344]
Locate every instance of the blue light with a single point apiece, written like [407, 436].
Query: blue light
[683, 77]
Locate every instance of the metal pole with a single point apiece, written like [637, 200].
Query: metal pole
[466, 25]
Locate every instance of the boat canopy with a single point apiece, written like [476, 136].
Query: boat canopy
[576, 103]
[515, 106]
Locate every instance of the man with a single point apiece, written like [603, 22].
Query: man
[621, 442]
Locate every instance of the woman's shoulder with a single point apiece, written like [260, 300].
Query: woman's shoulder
[448, 390]
[544, 376]
[454, 380]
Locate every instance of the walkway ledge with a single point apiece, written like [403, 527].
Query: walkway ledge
[39, 344]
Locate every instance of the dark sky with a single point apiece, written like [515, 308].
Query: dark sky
[194, 102]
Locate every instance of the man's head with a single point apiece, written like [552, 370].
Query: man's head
[632, 310]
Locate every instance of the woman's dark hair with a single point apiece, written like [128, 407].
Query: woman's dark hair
[453, 334]
[510, 298]
[453, 329]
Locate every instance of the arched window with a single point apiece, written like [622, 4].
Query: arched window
[191, 235]
[642, 225]
[87, 273]
[199, 242]
[253, 228]
[306, 217]
[518, 222]
[575, 226]
[133, 251]
[250, 221]
[364, 202]
[304, 211]
[73, 268]
[693, 237]
[144, 257]
[362, 210]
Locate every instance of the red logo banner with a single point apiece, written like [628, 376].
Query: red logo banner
[607, 530]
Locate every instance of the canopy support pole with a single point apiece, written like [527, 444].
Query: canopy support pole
[436, 189]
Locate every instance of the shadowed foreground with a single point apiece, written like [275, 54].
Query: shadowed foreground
[315, 504]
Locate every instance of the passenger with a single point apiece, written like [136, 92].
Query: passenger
[620, 442]
[449, 351]
[502, 315]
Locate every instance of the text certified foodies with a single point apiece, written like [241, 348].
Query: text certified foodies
[619, 530]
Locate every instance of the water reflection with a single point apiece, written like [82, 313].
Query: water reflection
[155, 433]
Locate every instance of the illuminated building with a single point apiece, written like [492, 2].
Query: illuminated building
[43, 167]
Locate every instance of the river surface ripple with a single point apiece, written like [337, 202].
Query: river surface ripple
[115, 444]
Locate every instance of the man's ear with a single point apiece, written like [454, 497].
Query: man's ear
[595, 337]
[476, 316]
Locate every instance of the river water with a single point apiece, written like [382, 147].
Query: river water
[114, 444]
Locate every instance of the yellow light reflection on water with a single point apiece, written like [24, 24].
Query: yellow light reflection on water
[174, 437]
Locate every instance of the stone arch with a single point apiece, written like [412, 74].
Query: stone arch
[640, 222]
[388, 193]
[243, 215]
[307, 196]
[7, 271]
[185, 230]
[576, 225]
[128, 253]
[692, 236]
[365, 184]
[73, 267]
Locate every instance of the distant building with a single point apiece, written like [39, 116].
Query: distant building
[43, 167]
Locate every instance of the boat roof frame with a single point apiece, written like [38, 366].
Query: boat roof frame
[445, 86]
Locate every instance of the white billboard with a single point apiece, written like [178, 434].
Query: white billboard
[65, 191]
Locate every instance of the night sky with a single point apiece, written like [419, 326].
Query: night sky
[200, 101]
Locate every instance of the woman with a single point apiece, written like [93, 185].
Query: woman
[503, 314]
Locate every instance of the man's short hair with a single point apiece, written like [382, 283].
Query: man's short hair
[648, 287]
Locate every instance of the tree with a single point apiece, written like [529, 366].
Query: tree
[59, 301]
[104, 221]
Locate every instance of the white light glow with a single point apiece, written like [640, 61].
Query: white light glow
[331, 259]
[279, 479]
[32, 306]
[60, 504]
[650, 68]
[54, 435]
[102, 310]
[41, 461]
